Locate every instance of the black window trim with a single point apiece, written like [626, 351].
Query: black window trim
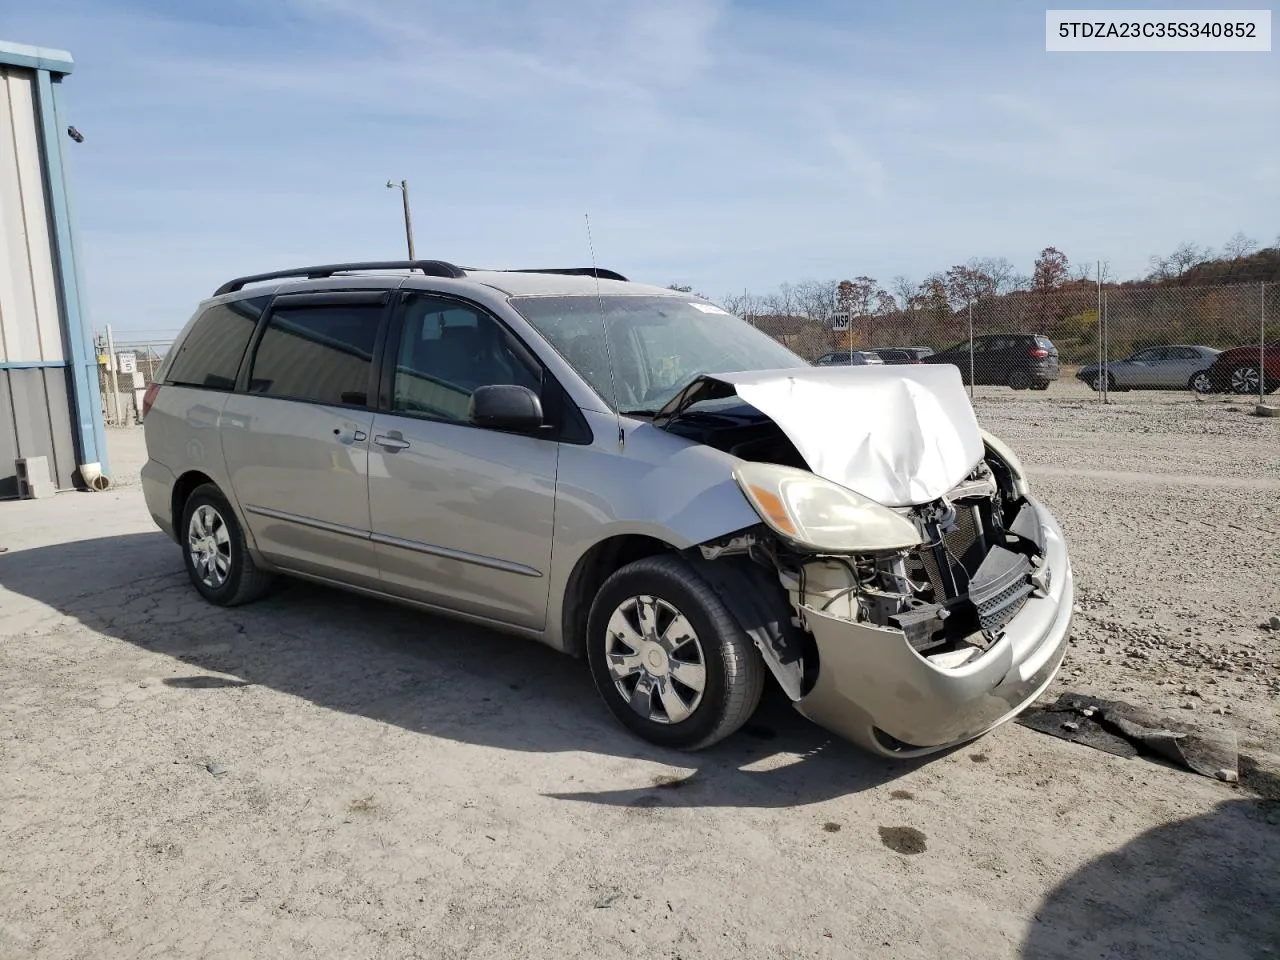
[358, 297]
[558, 409]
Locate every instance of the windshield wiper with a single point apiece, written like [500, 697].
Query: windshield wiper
[639, 413]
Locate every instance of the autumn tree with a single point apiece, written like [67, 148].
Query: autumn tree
[1050, 270]
[967, 284]
[862, 298]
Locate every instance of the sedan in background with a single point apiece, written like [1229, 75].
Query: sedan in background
[1175, 367]
[845, 358]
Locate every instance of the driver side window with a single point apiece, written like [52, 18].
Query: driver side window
[447, 349]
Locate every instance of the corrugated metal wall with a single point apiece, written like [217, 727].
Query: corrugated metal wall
[35, 417]
[29, 328]
[36, 405]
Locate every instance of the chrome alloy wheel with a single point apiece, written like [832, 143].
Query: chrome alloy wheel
[210, 546]
[1245, 380]
[655, 659]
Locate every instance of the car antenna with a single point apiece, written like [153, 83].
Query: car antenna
[608, 349]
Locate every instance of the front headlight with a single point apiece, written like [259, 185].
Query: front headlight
[819, 514]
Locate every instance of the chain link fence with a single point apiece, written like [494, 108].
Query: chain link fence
[1167, 340]
[127, 365]
[1164, 343]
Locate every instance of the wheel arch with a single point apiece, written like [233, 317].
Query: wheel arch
[187, 484]
[595, 566]
[183, 487]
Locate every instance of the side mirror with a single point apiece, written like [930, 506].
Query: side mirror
[505, 406]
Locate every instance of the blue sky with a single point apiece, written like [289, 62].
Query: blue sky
[727, 145]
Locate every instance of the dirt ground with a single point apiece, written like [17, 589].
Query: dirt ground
[317, 775]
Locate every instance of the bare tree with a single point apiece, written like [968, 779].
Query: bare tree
[817, 299]
[999, 269]
[746, 305]
[1239, 246]
[1184, 257]
[1161, 268]
[905, 291]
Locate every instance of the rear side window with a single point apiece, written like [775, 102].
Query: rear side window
[210, 354]
[321, 353]
[1044, 343]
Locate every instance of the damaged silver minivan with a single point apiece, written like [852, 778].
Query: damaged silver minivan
[623, 472]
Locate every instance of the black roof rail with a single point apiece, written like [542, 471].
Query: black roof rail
[432, 268]
[598, 272]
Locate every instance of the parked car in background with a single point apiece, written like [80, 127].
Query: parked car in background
[1017, 360]
[903, 354]
[1174, 367]
[843, 358]
[1238, 370]
[622, 472]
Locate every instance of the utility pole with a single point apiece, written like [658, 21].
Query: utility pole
[403, 187]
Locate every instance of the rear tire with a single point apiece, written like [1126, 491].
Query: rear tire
[214, 551]
[669, 660]
[1019, 380]
[1040, 385]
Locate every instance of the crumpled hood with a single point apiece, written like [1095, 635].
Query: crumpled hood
[901, 435]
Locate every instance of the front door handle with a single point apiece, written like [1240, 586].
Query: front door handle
[391, 441]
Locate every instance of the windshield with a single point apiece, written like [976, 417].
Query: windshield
[658, 344]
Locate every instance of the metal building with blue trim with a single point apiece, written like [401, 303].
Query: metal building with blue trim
[50, 403]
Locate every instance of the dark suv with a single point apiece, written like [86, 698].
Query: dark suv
[1017, 360]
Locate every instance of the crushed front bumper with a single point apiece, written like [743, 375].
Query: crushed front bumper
[874, 689]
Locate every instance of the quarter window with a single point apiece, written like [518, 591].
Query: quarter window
[210, 354]
[322, 353]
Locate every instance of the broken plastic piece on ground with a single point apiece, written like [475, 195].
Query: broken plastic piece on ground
[1126, 730]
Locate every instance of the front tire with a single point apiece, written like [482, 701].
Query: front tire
[1201, 382]
[669, 660]
[215, 553]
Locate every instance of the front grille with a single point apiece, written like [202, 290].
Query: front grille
[997, 610]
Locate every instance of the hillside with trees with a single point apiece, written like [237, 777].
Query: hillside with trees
[1191, 295]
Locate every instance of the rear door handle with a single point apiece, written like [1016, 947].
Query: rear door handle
[391, 441]
[349, 433]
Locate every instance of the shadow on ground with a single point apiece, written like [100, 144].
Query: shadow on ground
[423, 673]
[1207, 888]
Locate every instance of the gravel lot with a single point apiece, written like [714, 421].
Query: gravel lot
[317, 775]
